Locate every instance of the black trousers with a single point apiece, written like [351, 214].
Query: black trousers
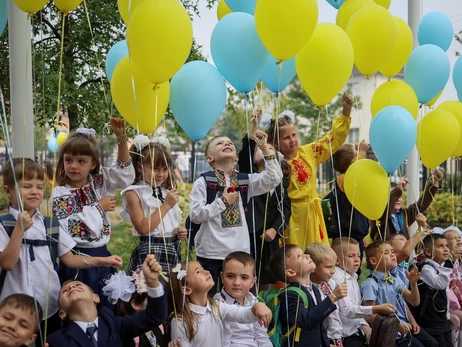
[355, 341]
[441, 333]
[214, 266]
[423, 339]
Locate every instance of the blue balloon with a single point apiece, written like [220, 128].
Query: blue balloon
[459, 96]
[427, 72]
[336, 3]
[53, 145]
[457, 75]
[275, 79]
[197, 98]
[115, 54]
[435, 28]
[247, 6]
[393, 133]
[3, 15]
[238, 52]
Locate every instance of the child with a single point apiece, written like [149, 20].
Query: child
[380, 287]
[433, 313]
[306, 224]
[88, 327]
[20, 315]
[399, 219]
[223, 227]
[238, 277]
[290, 265]
[84, 196]
[28, 251]
[325, 258]
[269, 213]
[355, 330]
[151, 205]
[199, 319]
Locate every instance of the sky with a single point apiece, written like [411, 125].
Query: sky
[204, 25]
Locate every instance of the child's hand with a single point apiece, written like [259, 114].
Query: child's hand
[261, 138]
[421, 220]
[113, 261]
[364, 147]
[108, 203]
[413, 276]
[172, 198]
[270, 234]
[415, 327]
[176, 343]
[230, 197]
[26, 221]
[255, 121]
[182, 233]
[437, 177]
[404, 328]
[340, 291]
[403, 183]
[118, 127]
[263, 313]
[151, 269]
[384, 309]
[348, 102]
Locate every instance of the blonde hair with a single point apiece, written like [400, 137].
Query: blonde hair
[320, 252]
[340, 242]
[272, 133]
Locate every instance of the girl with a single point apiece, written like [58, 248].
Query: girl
[84, 196]
[306, 224]
[151, 205]
[271, 210]
[200, 322]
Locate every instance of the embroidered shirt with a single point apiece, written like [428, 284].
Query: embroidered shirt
[332, 323]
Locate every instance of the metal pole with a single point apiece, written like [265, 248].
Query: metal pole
[413, 164]
[22, 122]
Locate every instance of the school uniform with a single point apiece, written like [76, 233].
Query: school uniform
[332, 323]
[109, 330]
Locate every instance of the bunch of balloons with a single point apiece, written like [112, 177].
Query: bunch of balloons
[57, 141]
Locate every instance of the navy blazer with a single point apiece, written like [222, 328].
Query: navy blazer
[309, 320]
[114, 331]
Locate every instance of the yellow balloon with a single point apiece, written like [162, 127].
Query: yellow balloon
[142, 115]
[402, 50]
[30, 6]
[124, 6]
[285, 26]
[373, 34]
[435, 99]
[384, 3]
[348, 9]
[455, 107]
[223, 9]
[366, 187]
[438, 135]
[325, 64]
[67, 6]
[61, 138]
[395, 93]
[159, 38]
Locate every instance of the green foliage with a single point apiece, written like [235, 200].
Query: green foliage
[444, 210]
[123, 242]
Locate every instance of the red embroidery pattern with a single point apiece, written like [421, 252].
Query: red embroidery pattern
[299, 168]
[318, 146]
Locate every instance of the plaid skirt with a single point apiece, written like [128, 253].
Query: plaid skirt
[166, 254]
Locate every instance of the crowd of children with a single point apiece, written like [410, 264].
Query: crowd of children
[266, 273]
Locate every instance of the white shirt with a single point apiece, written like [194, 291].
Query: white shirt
[170, 221]
[350, 311]
[39, 277]
[209, 329]
[86, 221]
[243, 335]
[332, 322]
[436, 280]
[213, 241]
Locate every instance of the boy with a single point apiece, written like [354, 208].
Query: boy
[223, 226]
[433, 313]
[238, 277]
[26, 260]
[355, 330]
[291, 265]
[399, 218]
[19, 319]
[380, 287]
[88, 327]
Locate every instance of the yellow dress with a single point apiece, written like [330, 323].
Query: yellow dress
[306, 224]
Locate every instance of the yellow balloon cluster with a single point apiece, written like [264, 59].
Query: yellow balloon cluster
[126, 8]
[325, 64]
[395, 93]
[366, 187]
[30, 6]
[455, 107]
[67, 6]
[223, 9]
[285, 26]
[159, 38]
[348, 9]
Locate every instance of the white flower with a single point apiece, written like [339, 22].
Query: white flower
[86, 131]
[141, 141]
[265, 121]
[119, 286]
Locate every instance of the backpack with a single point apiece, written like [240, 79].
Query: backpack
[212, 189]
[9, 222]
[272, 299]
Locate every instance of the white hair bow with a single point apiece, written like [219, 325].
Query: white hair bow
[181, 273]
[266, 119]
[119, 286]
[86, 131]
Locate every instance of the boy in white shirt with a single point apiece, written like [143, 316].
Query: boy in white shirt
[355, 330]
[223, 228]
[238, 277]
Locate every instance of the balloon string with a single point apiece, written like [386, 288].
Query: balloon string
[60, 66]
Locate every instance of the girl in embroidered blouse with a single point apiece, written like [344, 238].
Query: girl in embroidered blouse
[151, 205]
[85, 195]
[197, 320]
[306, 224]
